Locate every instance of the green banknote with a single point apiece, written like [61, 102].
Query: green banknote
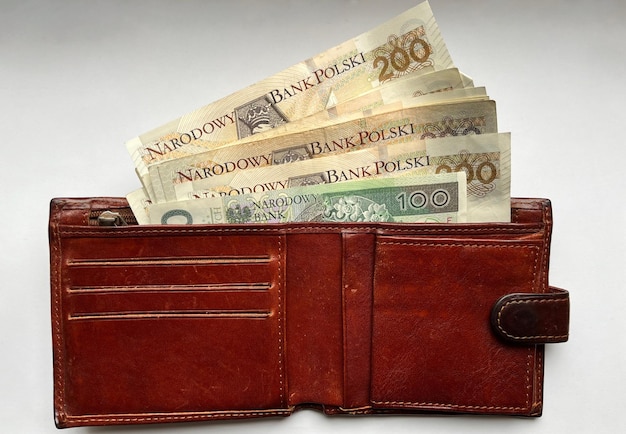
[432, 198]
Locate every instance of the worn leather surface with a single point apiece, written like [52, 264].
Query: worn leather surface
[182, 323]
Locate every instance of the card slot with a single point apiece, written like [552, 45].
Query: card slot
[167, 314]
[173, 364]
[172, 288]
[166, 301]
[169, 261]
[183, 277]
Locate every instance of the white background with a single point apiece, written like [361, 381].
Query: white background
[79, 78]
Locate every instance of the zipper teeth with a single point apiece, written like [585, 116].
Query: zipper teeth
[125, 213]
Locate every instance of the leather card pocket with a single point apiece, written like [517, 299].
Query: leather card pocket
[433, 347]
[172, 324]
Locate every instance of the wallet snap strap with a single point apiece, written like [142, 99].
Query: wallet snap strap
[531, 318]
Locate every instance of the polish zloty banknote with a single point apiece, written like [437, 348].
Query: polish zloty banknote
[432, 198]
[139, 203]
[486, 161]
[484, 158]
[407, 91]
[403, 90]
[173, 180]
[408, 44]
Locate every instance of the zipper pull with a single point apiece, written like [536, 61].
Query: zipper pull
[110, 218]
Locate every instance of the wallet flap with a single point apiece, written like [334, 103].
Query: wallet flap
[532, 318]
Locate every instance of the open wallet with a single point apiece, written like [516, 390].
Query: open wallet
[172, 323]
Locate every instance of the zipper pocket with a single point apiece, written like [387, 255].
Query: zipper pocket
[112, 217]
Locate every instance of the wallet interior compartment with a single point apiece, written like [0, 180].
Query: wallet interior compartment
[432, 344]
[168, 324]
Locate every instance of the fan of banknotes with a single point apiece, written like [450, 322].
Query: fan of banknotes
[380, 128]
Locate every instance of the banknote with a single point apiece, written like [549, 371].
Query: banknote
[407, 91]
[407, 44]
[484, 158]
[377, 103]
[139, 203]
[486, 161]
[404, 89]
[431, 198]
[173, 180]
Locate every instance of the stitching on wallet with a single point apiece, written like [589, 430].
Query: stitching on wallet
[529, 358]
[489, 243]
[58, 347]
[165, 314]
[457, 406]
[200, 287]
[170, 261]
[547, 217]
[504, 332]
[435, 244]
[201, 416]
[280, 322]
[540, 385]
[528, 364]
[278, 231]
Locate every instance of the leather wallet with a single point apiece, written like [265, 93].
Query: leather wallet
[176, 323]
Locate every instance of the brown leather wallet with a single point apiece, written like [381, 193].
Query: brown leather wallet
[186, 323]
